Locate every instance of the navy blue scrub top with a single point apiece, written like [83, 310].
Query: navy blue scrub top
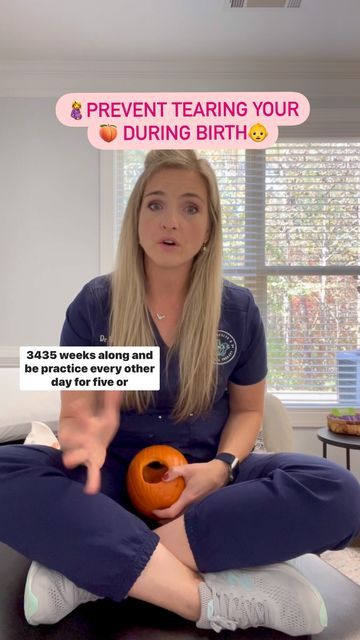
[241, 359]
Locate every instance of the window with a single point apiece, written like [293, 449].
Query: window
[291, 226]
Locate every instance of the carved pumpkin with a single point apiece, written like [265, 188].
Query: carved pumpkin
[143, 481]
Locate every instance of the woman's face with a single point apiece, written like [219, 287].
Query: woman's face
[174, 208]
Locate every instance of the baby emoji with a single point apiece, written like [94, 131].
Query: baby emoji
[258, 132]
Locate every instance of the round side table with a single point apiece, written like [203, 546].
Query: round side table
[338, 440]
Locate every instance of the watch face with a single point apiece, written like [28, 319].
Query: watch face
[226, 457]
[231, 460]
[234, 468]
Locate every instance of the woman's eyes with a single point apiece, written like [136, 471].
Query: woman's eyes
[194, 209]
[153, 206]
[191, 209]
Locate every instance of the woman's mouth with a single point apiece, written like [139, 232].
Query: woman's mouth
[168, 243]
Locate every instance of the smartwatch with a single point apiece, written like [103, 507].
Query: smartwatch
[232, 462]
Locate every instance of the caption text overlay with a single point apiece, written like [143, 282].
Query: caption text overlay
[200, 120]
[89, 368]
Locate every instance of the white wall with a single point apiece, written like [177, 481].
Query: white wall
[49, 212]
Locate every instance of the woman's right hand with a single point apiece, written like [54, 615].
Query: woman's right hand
[84, 436]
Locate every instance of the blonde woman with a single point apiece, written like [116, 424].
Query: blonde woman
[221, 556]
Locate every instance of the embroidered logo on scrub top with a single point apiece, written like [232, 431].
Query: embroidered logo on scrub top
[227, 347]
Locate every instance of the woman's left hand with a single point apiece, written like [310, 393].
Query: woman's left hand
[201, 479]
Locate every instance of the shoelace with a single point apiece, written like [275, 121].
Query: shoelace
[231, 612]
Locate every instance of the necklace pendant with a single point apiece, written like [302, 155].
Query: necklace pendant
[160, 317]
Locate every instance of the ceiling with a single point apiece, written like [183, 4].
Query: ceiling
[177, 30]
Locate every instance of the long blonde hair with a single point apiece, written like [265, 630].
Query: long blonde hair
[196, 338]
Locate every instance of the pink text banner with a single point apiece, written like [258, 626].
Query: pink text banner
[182, 120]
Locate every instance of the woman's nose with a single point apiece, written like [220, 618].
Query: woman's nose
[169, 220]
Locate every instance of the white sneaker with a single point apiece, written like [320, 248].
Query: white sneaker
[49, 596]
[275, 596]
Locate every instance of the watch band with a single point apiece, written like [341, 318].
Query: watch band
[232, 461]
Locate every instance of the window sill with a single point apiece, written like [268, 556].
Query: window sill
[307, 410]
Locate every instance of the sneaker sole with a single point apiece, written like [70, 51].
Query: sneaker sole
[31, 603]
[296, 563]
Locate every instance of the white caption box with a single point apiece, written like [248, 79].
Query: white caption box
[89, 368]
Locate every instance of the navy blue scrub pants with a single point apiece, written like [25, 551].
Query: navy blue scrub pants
[280, 506]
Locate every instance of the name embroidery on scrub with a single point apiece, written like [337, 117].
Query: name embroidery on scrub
[227, 347]
[102, 338]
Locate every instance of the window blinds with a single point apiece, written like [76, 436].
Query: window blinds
[291, 230]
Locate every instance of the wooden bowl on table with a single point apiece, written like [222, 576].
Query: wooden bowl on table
[348, 425]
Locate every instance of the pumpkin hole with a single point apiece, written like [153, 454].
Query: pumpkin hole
[154, 471]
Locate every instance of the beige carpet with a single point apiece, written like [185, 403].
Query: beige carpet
[347, 561]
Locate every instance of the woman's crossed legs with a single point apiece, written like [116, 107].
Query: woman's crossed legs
[234, 527]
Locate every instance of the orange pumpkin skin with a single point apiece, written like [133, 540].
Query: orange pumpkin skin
[144, 485]
[108, 132]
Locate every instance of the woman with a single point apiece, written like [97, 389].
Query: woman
[221, 555]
